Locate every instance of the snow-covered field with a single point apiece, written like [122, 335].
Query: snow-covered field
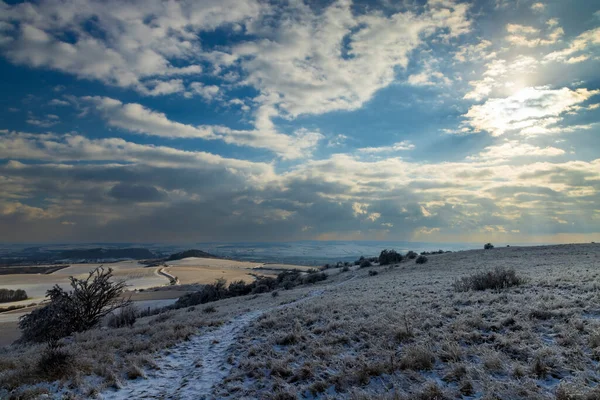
[404, 333]
[137, 277]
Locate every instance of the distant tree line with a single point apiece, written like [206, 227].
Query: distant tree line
[8, 295]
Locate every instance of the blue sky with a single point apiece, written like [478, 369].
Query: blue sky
[237, 120]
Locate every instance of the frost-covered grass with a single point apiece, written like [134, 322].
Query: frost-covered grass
[407, 334]
[404, 333]
[109, 357]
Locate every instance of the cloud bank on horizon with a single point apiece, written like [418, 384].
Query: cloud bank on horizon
[181, 121]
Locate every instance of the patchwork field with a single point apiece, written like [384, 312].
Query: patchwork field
[188, 271]
[384, 332]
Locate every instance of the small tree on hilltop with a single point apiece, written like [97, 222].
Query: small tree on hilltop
[488, 246]
[76, 311]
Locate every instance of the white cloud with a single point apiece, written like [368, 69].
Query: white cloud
[132, 44]
[516, 28]
[48, 121]
[475, 52]
[428, 77]
[58, 102]
[500, 73]
[580, 45]
[515, 148]
[399, 146]
[335, 60]
[538, 7]
[207, 92]
[139, 119]
[521, 35]
[73, 147]
[530, 107]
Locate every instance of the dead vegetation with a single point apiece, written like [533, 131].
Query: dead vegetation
[498, 279]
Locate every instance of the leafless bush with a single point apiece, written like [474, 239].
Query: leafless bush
[91, 300]
[497, 279]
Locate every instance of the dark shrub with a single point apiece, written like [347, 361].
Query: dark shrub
[125, 316]
[373, 273]
[411, 255]
[211, 292]
[261, 289]
[421, 260]
[365, 264]
[497, 279]
[239, 288]
[314, 277]
[209, 309]
[7, 295]
[389, 257]
[345, 268]
[218, 290]
[488, 246]
[275, 293]
[91, 300]
[288, 276]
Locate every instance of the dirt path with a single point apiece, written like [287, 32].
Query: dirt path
[192, 369]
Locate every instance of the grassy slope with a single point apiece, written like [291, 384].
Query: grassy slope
[406, 334]
[403, 332]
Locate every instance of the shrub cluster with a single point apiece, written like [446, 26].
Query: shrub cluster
[362, 260]
[339, 264]
[488, 246]
[7, 295]
[389, 257]
[497, 279]
[411, 255]
[219, 290]
[440, 251]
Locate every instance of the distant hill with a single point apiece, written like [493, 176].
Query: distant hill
[190, 253]
[102, 254]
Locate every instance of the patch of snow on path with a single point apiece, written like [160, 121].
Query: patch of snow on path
[190, 370]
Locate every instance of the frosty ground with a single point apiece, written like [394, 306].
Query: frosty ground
[404, 333]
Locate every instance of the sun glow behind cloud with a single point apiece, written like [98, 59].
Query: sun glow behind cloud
[267, 121]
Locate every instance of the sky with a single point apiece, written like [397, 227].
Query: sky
[249, 120]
